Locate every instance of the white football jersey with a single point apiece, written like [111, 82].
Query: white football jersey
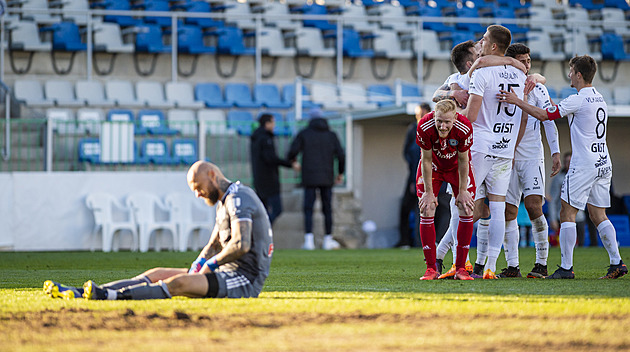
[464, 81]
[530, 146]
[496, 128]
[451, 79]
[587, 114]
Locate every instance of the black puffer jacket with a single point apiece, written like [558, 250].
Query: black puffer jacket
[265, 163]
[319, 147]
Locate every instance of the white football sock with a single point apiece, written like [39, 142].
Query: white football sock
[540, 231]
[568, 236]
[510, 243]
[608, 234]
[496, 231]
[482, 241]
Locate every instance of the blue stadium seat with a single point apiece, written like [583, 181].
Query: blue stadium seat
[90, 150]
[269, 96]
[239, 95]
[456, 37]
[502, 12]
[156, 151]
[612, 47]
[352, 45]
[211, 94]
[190, 41]
[149, 39]
[316, 9]
[66, 37]
[137, 157]
[202, 7]
[241, 121]
[552, 92]
[123, 21]
[153, 122]
[185, 151]
[617, 4]
[587, 4]
[469, 12]
[428, 11]
[410, 92]
[380, 94]
[288, 95]
[566, 91]
[231, 42]
[156, 6]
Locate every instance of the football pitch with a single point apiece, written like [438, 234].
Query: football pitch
[348, 300]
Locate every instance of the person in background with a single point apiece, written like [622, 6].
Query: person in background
[265, 163]
[319, 147]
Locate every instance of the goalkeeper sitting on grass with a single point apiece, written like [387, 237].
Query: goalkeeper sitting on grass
[234, 263]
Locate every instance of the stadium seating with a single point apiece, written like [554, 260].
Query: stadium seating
[62, 93]
[200, 7]
[276, 15]
[431, 46]
[566, 91]
[155, 150]
[541, 47]
[149, 39]
[32, 93]
[326, 96]
[215, 121]
[621, 95]
[237, 15]
[89, 150]
[121, 93]
[622, 227]
[578, 43]
[352, 45]
[24, 36]
[121, 20]
[92, 93]
[239, 95]
[211, 95]
[288, 96]
[89, 120]
[231, 42]
[66, 37]
[241, 121]
[310, 42]
[317, 9]
[108, 38]
[613, 48]
[155, 6]
[380, 94]
[268, 96]
[39, 17]
[151, 94]
[190, 41]
[387, 44]
[182, 210]
[184, 151]
[393, 17]
[410, 92]
[355, 94]
[103, 207]
[181, 95]
[63, 121]
[271, 43]
[182, 120]
[356, 17]
[614, 20]
[120, 115]
[153, 122]
[143, 206]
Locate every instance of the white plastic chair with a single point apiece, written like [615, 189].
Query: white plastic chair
[25, 34]
[109, 36]
[102, 206]
[271, 42]
[121, 93]
[93, 93]
[89, 120]
[181, 95]
[63, 120]
[215, 121]
[32, 92]
[309, 41]
[182, 207]
[151, 94]
[62, 92]
[143, 206]
[389, 44]
[431, 46]
[182, 120]
[355, 94]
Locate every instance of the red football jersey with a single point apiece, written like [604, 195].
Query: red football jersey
[444, 149]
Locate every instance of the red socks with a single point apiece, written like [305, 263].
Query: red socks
[427, 236]
[464, 235]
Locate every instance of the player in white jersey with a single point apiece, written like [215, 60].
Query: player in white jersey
[496, 125]
[587, 183]
[528, 179]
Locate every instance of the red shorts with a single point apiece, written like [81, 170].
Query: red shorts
[451, 177]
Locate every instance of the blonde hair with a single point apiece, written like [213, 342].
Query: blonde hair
[445, 106]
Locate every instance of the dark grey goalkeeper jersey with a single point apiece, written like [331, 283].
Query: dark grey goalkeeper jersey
[241, 203]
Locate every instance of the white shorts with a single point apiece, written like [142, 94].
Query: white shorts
[528, 178]
[592, 186]
[492, 171]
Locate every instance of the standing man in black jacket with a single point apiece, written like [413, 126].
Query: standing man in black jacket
[265, 164]
[319, 147]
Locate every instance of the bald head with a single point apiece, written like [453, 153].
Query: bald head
[206, 180]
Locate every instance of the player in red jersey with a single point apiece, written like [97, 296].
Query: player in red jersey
[445, 137]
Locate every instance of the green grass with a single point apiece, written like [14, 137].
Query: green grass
[359, 299]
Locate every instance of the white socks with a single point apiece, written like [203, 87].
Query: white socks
[510, 243]
[482, 241]
[608, 234]
[540, 231]
[496, 234]
[568, 236]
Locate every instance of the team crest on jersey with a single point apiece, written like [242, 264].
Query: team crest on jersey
[453, 142]
[603, 159]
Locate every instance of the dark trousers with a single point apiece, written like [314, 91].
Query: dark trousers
[408, 233]
[273, 204]
[325, 194]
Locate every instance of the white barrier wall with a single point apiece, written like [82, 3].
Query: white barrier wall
[46, 211]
